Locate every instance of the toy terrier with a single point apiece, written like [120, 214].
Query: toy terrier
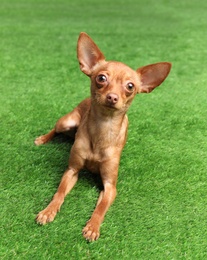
[99, 125]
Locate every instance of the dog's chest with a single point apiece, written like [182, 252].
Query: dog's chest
[102, 149]
[99, 155]
[99, 143]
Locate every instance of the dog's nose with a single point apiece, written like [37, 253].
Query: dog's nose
[112, 98]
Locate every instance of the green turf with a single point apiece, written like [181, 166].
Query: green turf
[161, 208]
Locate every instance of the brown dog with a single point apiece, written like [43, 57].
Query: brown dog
[101, 125]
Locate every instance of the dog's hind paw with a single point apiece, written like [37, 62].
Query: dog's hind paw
[45, 138]
[40, 140]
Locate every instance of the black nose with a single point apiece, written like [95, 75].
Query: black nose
[112, 98]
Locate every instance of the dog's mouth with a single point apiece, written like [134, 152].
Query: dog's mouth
[111, 106]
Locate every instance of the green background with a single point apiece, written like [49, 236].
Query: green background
[160, 211]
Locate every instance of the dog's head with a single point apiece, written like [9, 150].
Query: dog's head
[114, 84]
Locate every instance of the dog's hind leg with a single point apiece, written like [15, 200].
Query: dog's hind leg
[45, 138]
[67, 124]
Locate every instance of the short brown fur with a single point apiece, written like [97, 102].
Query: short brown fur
[99, 124]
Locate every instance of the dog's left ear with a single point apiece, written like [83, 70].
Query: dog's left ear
[88, 53]
[153, 75]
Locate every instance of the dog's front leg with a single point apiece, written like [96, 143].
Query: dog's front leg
[68, 180]
[109, 177]
[92, 229]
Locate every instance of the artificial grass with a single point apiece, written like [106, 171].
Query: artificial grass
[160, 210]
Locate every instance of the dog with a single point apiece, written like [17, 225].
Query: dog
[99, 125]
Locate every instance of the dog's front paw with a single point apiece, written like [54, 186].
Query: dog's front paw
[45, 216]
[91, 231]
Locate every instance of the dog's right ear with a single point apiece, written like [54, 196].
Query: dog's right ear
[88, 53]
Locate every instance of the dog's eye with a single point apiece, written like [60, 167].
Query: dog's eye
[101, 78]
[130, 87]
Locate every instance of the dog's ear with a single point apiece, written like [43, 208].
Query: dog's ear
[88, 53]
[153, 75]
